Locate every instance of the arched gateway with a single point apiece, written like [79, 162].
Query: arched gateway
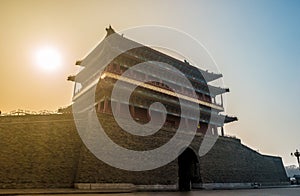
[188, 170]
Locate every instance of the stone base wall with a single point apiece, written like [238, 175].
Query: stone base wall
[46, 152]
[38, 151]
[229, 161]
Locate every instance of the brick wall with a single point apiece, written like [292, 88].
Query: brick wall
[38, 151]
[46, 152]
[229, 161]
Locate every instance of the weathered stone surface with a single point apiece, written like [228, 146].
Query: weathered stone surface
[46, 152]
[38, 151]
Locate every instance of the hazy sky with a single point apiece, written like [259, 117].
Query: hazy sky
[255, 43]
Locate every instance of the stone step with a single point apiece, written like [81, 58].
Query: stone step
[107, 187]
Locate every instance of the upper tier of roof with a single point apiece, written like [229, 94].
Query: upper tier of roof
[144, 53]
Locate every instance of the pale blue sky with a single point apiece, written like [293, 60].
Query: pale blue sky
[257, 45]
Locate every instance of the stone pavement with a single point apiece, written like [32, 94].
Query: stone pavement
[279, 190]
[55, 191]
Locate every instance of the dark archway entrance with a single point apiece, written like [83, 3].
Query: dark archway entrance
[188, 170]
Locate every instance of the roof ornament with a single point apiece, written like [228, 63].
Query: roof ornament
[71, 78]
[109, 30]
[186, 62]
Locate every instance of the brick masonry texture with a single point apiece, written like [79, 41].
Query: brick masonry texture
[47, 152]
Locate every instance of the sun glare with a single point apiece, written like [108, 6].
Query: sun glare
[49, 59]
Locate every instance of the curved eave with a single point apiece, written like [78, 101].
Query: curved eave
[208, 90]
[145, 52]
[209, 76]
[229, 119]
[183, 66]
[79, 62]
[71, 78]
[194, 74]
[214, 91]
[172, 102]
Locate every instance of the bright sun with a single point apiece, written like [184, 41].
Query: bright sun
[48, 59]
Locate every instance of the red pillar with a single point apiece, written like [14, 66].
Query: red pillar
[99, 107]
[132, 111]
[105, 107]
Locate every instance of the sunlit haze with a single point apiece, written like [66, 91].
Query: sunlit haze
[48, 59]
